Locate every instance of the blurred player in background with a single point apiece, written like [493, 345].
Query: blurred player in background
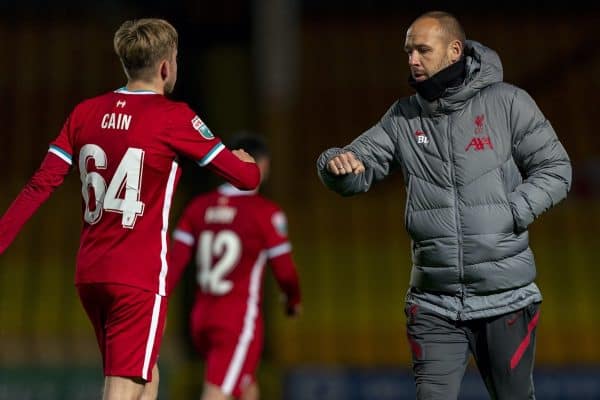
[232, 234]
[480, 163]
[125, 144]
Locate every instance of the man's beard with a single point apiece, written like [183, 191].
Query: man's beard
[452, 75]
[444, 63]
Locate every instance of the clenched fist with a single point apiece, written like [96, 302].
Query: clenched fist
[344, 164]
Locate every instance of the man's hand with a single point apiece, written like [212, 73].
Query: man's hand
[344, 164]
[242, 155]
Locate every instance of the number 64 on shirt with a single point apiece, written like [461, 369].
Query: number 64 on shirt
[127, 178]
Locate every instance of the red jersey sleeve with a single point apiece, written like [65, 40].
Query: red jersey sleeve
[279, 255]
[62, 146]
[190, 136]
[243, 175]
[51, 174]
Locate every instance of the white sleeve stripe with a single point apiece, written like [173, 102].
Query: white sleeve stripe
[60, 153]
[183, 237]
[211, 154]
[279, 250]
[168, 200]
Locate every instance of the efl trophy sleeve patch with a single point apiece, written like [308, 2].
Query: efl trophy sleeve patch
[279, 223]
[201, 127]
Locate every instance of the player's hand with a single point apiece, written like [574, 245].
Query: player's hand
[345, 163]
[242, 155]
[293, 310]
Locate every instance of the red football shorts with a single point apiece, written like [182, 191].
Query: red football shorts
[129, 324]
[231, 354]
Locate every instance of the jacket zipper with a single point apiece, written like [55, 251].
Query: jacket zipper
[457, 217]
[407, 205]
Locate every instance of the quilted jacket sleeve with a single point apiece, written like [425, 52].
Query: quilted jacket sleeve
[374, 148]
[542, 160]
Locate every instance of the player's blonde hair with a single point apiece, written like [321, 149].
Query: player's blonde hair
[141, 44]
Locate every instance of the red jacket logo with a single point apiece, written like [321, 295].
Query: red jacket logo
[479, 143]
[479, 120]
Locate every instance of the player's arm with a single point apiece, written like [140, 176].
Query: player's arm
[182, 248]
[286, 275]
[279, 256]
[237, 167]
[51, 173]
[188, 135]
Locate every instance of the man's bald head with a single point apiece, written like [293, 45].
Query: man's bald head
[447, 23]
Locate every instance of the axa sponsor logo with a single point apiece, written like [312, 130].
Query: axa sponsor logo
[421, 137]
[480, 143]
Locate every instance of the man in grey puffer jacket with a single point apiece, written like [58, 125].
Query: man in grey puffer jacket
[480, 163]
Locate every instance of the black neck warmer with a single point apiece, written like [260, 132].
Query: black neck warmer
[434, 87]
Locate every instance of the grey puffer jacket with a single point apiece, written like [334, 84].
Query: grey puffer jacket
[479, 165]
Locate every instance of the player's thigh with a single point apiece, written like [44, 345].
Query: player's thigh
[96, 303]
[510, 348]
[132, 325]
[134, 333]
[199, 330]
[232, 359]
[151, 388]
[440, 353]
[122, 388]
[250, 392]
[213, 392]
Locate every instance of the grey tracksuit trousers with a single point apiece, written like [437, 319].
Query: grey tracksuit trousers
[503, 348]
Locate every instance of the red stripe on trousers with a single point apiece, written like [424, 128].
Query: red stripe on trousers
[514, 361]
[415, 347]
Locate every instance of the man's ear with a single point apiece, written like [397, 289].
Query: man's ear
[164, 70]
[456, 50]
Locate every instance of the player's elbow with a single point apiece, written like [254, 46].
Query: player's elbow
[251, 178]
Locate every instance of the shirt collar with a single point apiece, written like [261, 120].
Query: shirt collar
[124, 90]
[228, 189]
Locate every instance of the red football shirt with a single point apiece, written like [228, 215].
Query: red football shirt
[125, 145]
[233, 234]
